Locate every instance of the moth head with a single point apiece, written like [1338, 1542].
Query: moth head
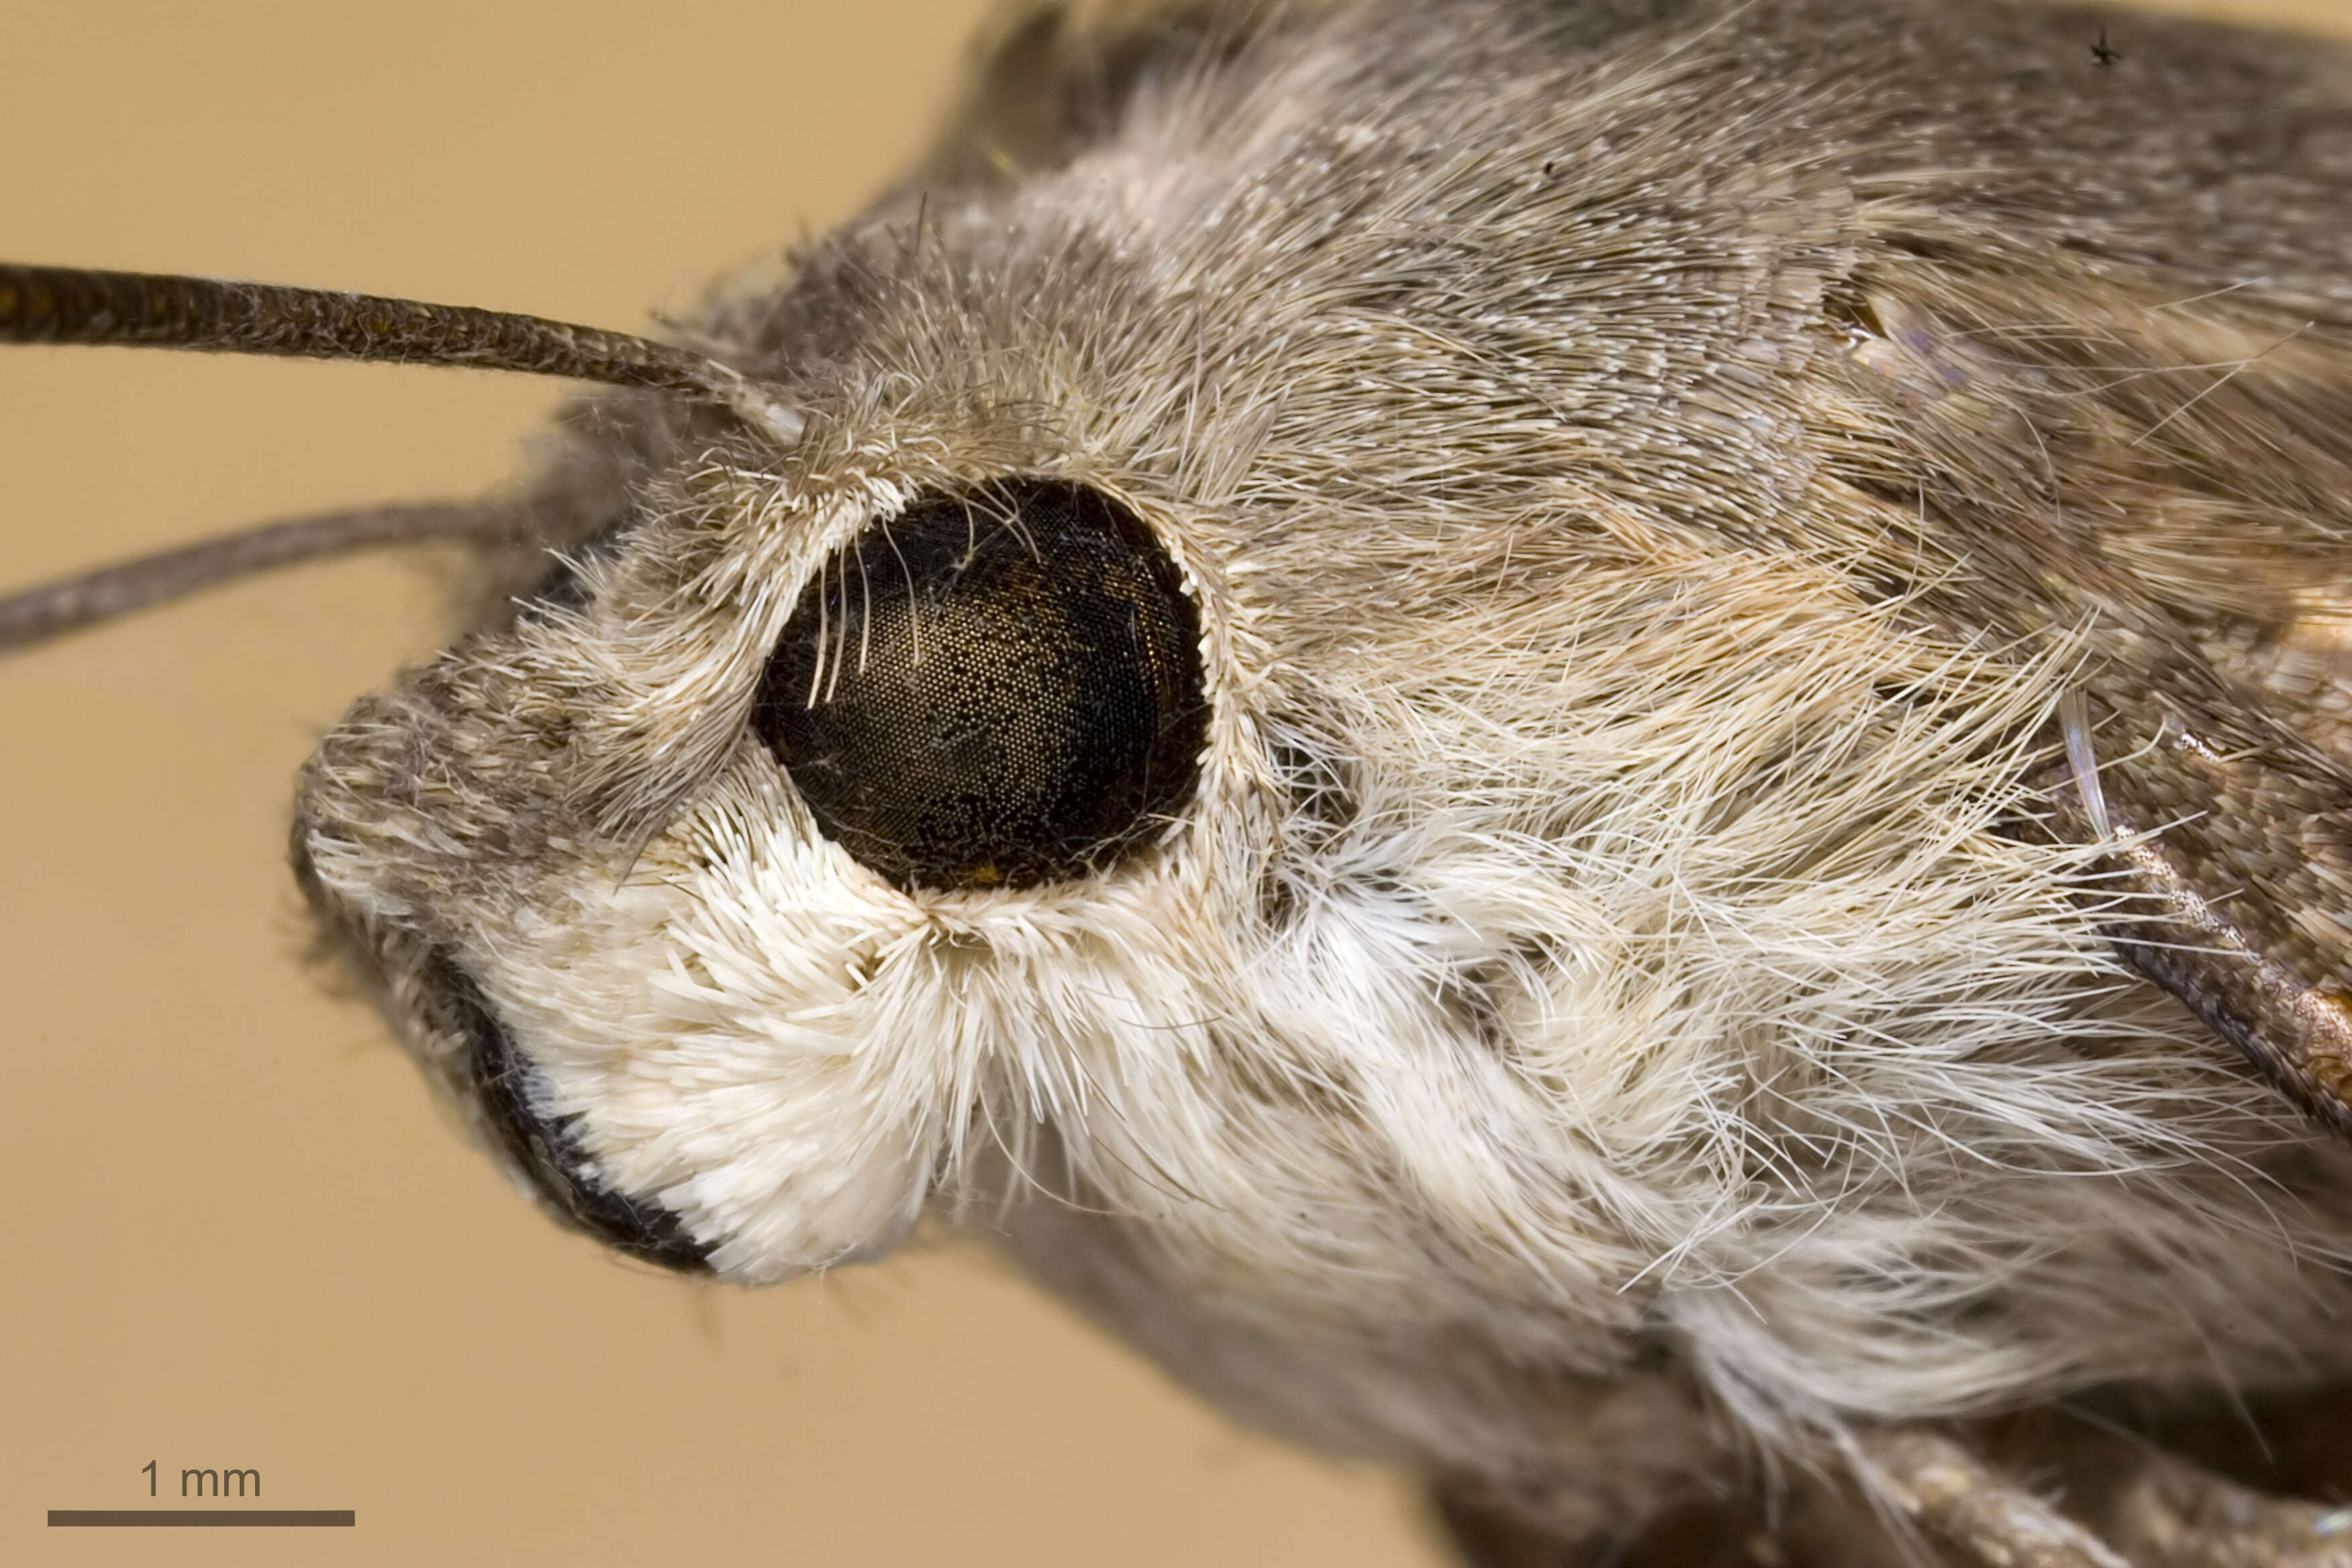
[699, 882]
[1344, 657]
[1241, 709]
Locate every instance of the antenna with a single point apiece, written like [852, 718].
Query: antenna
[211, 315]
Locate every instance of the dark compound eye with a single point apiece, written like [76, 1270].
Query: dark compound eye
[997, 689]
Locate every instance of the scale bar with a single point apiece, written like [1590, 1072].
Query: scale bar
[213, 1516]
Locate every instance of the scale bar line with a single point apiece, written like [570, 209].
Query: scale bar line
[200, 1516]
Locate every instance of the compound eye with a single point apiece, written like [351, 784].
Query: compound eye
[996, 689]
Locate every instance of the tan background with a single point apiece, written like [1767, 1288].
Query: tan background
[237, 1232]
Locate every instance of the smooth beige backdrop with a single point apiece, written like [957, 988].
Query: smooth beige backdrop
[237, 1233]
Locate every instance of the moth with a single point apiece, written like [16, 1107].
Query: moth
[1596, 746]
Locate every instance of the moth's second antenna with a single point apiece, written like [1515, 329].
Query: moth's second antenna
[153, 310]
[51, 609]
